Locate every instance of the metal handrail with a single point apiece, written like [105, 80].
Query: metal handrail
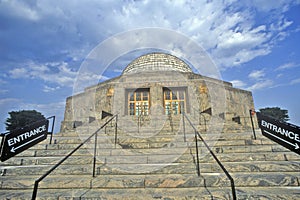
[197, 134]
[36, 183]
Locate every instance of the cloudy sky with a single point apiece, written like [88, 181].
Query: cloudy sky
[254, 43]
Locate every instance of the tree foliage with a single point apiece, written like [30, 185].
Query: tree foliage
[19, 119]
[276, 113]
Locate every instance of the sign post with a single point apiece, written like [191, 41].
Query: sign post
[285, 134]
[19, 140]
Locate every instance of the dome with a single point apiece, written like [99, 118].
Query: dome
[156, 62]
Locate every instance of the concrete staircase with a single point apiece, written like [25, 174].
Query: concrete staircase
[157, 166]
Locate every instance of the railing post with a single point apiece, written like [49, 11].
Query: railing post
[52, 129]
[138, 123]
[254, 135]
[95, 154]
[197, 154]
[116, 131]
[201, 114]
[233, 189]
[204, 123]
[36, 185]
[183, 122]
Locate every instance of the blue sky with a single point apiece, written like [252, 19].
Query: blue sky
[254, 43]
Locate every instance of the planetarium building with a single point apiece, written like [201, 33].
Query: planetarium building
[156, 88]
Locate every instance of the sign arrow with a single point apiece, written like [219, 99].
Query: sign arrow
[295, 145]
[13, 149]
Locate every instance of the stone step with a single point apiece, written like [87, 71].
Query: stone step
[244, 149]
[153, 181]
[230, 153]
[248, 161]
[218, 139]
[287, 193]
[155, 168]
[107, 181]
[107, 145]
[135, 144]
[125, 194]
[207, 136]
[102, 169]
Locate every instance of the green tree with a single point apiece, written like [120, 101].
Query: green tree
[19, 119]
[276, 113]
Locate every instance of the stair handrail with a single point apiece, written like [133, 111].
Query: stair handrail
[197, 134]
[36, 183]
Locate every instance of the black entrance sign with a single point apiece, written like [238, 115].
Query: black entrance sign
[19, 140]
[285, 134]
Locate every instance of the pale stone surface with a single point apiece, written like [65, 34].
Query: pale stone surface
[202, 93]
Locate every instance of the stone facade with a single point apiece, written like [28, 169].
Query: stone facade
[165, 72]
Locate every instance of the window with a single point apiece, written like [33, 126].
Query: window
[138, 102]
[174, 100]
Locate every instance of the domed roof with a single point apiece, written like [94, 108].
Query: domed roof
[156, 62]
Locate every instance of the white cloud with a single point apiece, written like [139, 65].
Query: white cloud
[280, 25]
[238, 83]
[19, 73]
[226, 29]
[50, 89]
[295, 81]
[257, 74]
[20, 9]
[261, 85]
[6, 101]
[59, 73]
[261, 82]
[287, 66]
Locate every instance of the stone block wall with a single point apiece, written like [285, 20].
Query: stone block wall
[202, 93]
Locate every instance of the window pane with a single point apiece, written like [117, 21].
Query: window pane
[175, 107]
[145, 96]
[138, 96]
[174, 95]
[131, 96]
[181, 95]
[131, 108]
[137, 108]
[181, 106]
[145, 108]
[167, 95]
[167, 108]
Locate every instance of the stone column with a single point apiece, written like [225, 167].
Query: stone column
[156, 99]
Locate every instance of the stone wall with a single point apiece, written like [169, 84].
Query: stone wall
[202, 93]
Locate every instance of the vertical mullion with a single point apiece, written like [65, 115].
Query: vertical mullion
[128, 100]
[134, 103]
